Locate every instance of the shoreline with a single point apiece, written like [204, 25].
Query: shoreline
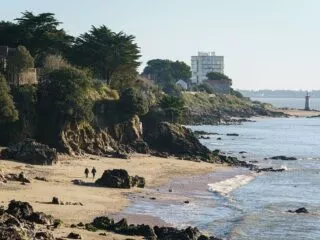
[96, 201]
[187, 191]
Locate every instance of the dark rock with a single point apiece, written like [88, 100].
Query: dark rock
[141, 147]
[200, 132]
[270, 169]
[119, 178]
[203, 137]
[160, 154]
[233, 134]
[103, 223]
[41, 218]
[17, 177]
[152, 198]
[186, 202]
[175, 140]
[41, 179]
[242, 152]
[219, 139]
[44, 236]
[73, 235]
[173, 233]
[21, 210]
[55, 200]
[31, 152]
[299, 210]
[116, 178]
[137, 181]
[121, 155]
[284, 158]
[78, 182]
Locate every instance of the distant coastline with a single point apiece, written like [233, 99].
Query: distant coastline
[279, 93]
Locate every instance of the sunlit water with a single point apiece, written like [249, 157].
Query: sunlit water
[298, 103]
[255, 206]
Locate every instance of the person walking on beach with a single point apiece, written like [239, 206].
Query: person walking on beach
[86, 172]
[93, 171]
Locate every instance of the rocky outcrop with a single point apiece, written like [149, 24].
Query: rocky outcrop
[119, 178]
[103, 139]
[285, 158]
[299, 210]
[176, 140]
[31, 152]
[154, 233]
[18, 223]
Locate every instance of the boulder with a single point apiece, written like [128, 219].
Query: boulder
[73, 235]
[119, 178]
[116, 178]
[41, 218]
[137, 181]
[20, 210]
[55, 200]
[44, 236]
[31, 152]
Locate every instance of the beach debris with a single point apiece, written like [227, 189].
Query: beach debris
[285, 158]
[299, 210]
[119, 178]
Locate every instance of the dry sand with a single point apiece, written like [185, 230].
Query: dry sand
[96, 201]
[298, 112]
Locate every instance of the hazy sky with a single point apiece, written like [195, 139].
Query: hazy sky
[267, 44]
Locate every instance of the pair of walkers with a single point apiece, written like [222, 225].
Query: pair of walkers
[93, 171]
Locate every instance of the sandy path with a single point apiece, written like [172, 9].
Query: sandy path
[298, 112]
[96, 201]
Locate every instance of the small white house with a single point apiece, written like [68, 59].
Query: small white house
[182, 84]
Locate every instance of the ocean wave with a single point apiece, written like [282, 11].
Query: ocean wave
[227, 186]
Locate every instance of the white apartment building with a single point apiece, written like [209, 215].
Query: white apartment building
[204, 63]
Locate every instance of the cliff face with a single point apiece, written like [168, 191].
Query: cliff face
[101, 140]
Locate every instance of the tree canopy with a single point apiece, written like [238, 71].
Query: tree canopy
[8, 111]
[217, 76]
[38, 33]
[20, 59]
[105, 52]
[164, 71]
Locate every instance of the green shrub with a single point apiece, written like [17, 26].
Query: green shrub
[8, 111]
[63, 99]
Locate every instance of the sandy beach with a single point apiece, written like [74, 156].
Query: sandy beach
[298, 112]
[96, 201]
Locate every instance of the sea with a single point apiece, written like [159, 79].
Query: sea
[298, 103]
[247, 205]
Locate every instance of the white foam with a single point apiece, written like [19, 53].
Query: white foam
[227, 186]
